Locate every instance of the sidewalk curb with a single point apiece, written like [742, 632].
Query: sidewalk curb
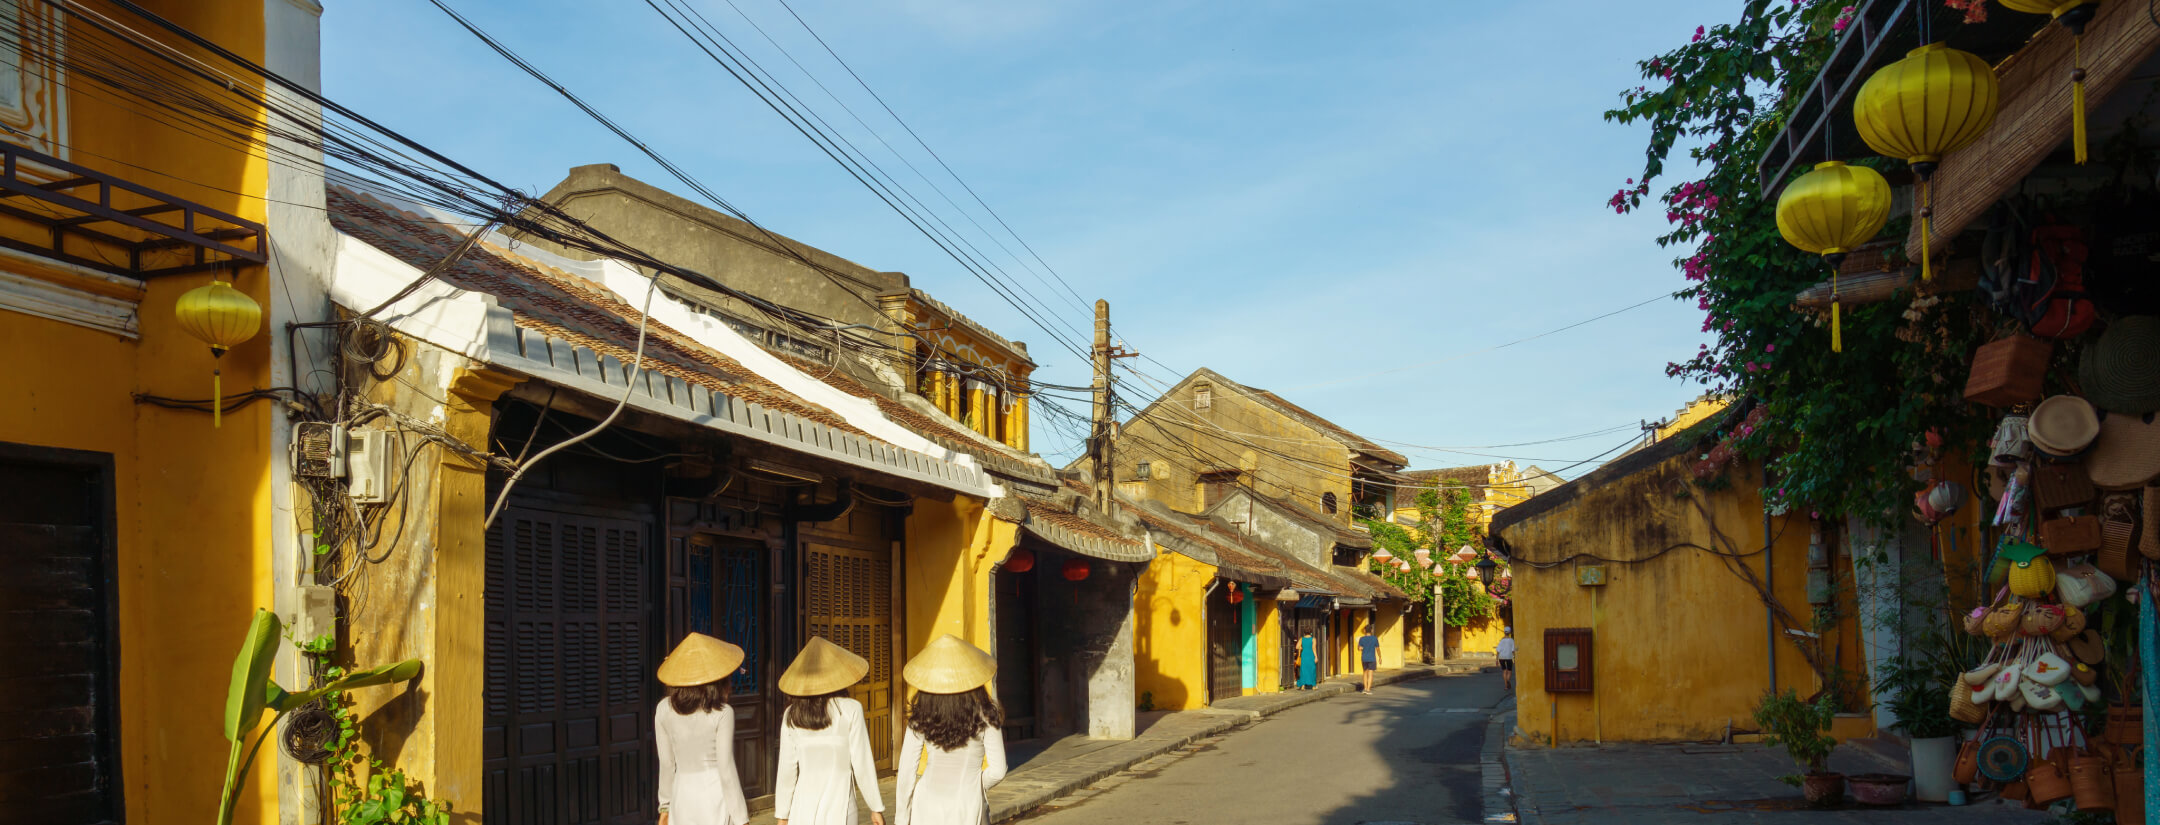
[1492, 766]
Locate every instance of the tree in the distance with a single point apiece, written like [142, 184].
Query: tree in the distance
[1443, 524]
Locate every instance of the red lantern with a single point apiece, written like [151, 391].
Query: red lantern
[1075, 570]
[1021, 561]
[1237, 594]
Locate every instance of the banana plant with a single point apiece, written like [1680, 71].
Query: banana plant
[253, 693]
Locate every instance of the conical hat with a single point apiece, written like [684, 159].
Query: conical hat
[949, 665]
[821, 668]
[700, 659]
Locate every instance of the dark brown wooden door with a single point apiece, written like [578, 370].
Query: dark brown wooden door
[58, 746]
[568, 735]
[847, 598]
[1226, 663]
[1017, 637]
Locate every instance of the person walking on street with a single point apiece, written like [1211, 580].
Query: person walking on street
[825, 757]
[695, 730]
[1369, 653]
[1308, 668]
[954, 749]
[1505, 651]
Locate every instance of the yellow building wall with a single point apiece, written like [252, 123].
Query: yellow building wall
[192, 503]
[1267, 639]
[1480, 636]
[1391, 636]
[1170, 650]
[1694, 412]
[953, 547]
[1679, 642]
[1179, 443]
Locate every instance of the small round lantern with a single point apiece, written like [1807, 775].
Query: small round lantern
[1021, 561]
[2073, 15]
[1075, 570]
[1829, 211]
[1237, 594]
[1935, 101]
[223, 317]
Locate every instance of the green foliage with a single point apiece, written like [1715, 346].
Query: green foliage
[367, 791]
[1443, 525]
[1836, 425]
[1801, 728]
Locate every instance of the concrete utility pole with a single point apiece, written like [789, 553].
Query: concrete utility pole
[1099, 436]
[1099, 446]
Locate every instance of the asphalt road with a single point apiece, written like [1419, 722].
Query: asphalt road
[1406, 754]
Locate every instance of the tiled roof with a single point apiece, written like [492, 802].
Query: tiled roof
[928, 426]
[978, 330]
[1357, 442]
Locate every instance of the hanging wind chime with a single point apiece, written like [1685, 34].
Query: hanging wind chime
[222, 317]
[1829, 211]
[1935, 101]
[2073, 15]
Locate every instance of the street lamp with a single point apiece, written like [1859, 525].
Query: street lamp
[1485, 567]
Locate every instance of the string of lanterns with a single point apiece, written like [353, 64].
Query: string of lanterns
[1934, 101]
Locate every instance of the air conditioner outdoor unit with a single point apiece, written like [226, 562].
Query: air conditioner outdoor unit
[368, 454]
[318, 450]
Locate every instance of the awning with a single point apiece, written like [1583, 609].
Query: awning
[1068, 530]
[1262, 580]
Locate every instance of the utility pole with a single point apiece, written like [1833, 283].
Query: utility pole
[1099, 437]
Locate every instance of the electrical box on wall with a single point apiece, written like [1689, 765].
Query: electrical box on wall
[368, 456]
[1567, 660]
[1590, 575]
[318, 450]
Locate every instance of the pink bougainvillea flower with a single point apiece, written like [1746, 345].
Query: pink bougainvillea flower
[1844, 19]
[1769, 348]
[1698, 34]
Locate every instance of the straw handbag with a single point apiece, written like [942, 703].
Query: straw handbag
[2002, 621]
[2046, 779]
[2070, 536]
[1962, 707]
[2092, 781]
[2073, 623]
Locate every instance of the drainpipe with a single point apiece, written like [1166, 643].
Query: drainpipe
[1769, 610]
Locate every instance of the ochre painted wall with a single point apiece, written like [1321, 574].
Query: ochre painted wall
[192, 503]
[1480, 636]
[1391, 636]
[1179, 442]
[953, 547]
[1267, 635]
[1170, 648]
[1679, 641]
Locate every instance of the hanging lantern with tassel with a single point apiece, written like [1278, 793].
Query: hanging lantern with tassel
[222, 317]
[1935, 101]
[2073, 15]
[1829, 211]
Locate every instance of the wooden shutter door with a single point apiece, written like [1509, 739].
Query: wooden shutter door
[847, 594]
[568, 734]
[1226, 647]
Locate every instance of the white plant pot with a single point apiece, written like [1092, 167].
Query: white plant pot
[1934, 768]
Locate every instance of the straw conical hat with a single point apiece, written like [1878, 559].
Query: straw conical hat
[821, 668]
[698, 660]
[949, 665]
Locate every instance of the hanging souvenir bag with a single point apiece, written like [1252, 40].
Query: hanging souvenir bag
[1976, 621]
[2070, 536]
[2050, 291]
[2100, 584]
[2031, 575]
[2056, 485]
[2040, 619]
[2089, 648]
[1962, 706]
[2047, 781]
[1967, 769]
[2126, 724]
[2047, 670]
[2073, 623]
[2118, 530]
[2129, 784]
[2092, 782]
[2002, 621]
[2003, 759]
[2005, 373]
[2084, 674]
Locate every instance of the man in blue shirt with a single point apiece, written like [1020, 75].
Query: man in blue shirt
[1369, 650]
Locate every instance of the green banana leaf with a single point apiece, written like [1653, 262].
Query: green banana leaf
[281, 700]
[250, 673]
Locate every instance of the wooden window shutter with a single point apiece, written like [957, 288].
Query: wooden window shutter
[1567, 660]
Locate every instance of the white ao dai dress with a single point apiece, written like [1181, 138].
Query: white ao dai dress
[821, 771]
[698, 782]
[952, 789]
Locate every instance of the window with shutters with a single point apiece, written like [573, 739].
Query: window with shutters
[1216, 485]
[1203, 397]
[1567, 660]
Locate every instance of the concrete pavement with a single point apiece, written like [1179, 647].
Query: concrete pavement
[1409, 753]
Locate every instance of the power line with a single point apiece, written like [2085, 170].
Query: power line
[1460, 356]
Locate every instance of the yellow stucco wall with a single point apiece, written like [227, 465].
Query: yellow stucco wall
[1679, 645]
[192, 503]
[1179, 443]
[1391, 635]
[1170, 652]
[1267, 634]
[953, 547]
[1480, 636]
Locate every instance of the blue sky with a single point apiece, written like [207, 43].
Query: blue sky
[1293, 194]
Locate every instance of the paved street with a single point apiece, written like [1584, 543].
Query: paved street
[1406, 754]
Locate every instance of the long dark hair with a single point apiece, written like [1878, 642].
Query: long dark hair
[949, 720]
[698, 698]
[812, 712]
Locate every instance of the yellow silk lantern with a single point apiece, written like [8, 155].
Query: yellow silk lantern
[222, 317]
[1829, 211]
[2073, 15]
[1935, 101]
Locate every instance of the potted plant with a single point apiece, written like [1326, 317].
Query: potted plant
[1922, 707]
[1802, 728]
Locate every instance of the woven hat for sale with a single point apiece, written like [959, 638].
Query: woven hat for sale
[700, 659]
[2127, 453]
[821, 668]
[2063, 426]
[949, 665]
[2120, 372]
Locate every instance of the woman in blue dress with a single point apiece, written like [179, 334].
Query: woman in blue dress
[1308, 670]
